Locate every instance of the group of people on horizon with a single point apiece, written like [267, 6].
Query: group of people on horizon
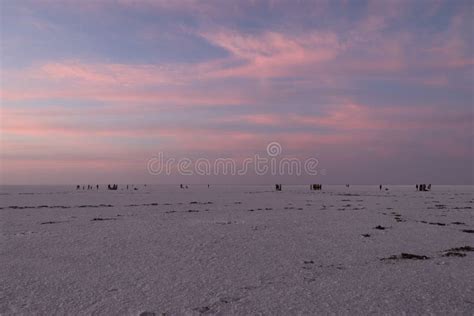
[278, 187]
[89, 187]
[423, 187]
[109, 187]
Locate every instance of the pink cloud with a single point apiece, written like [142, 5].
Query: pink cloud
[273, 54]
[140, 84]
[186, 97]
[321, 57]
[260, 119]
[116, 74]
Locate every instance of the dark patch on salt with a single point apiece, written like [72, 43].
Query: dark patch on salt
[103, 219]
[435, 223]
[406, 256]
[201, 203]
[226, 223]
[463, 248]
[454, 254]
[202, 309]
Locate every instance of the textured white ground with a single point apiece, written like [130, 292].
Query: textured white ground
[235, 250]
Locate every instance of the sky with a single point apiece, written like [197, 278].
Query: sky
[375, 91]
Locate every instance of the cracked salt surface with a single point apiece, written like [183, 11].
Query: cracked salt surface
[237, 250]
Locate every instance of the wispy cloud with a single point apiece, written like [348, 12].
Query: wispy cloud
[376, 79]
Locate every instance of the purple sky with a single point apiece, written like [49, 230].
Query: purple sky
[377, 91]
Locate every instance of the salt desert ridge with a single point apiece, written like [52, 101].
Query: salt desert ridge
[237, 250]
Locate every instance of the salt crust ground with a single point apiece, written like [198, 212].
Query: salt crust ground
[242, 250]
